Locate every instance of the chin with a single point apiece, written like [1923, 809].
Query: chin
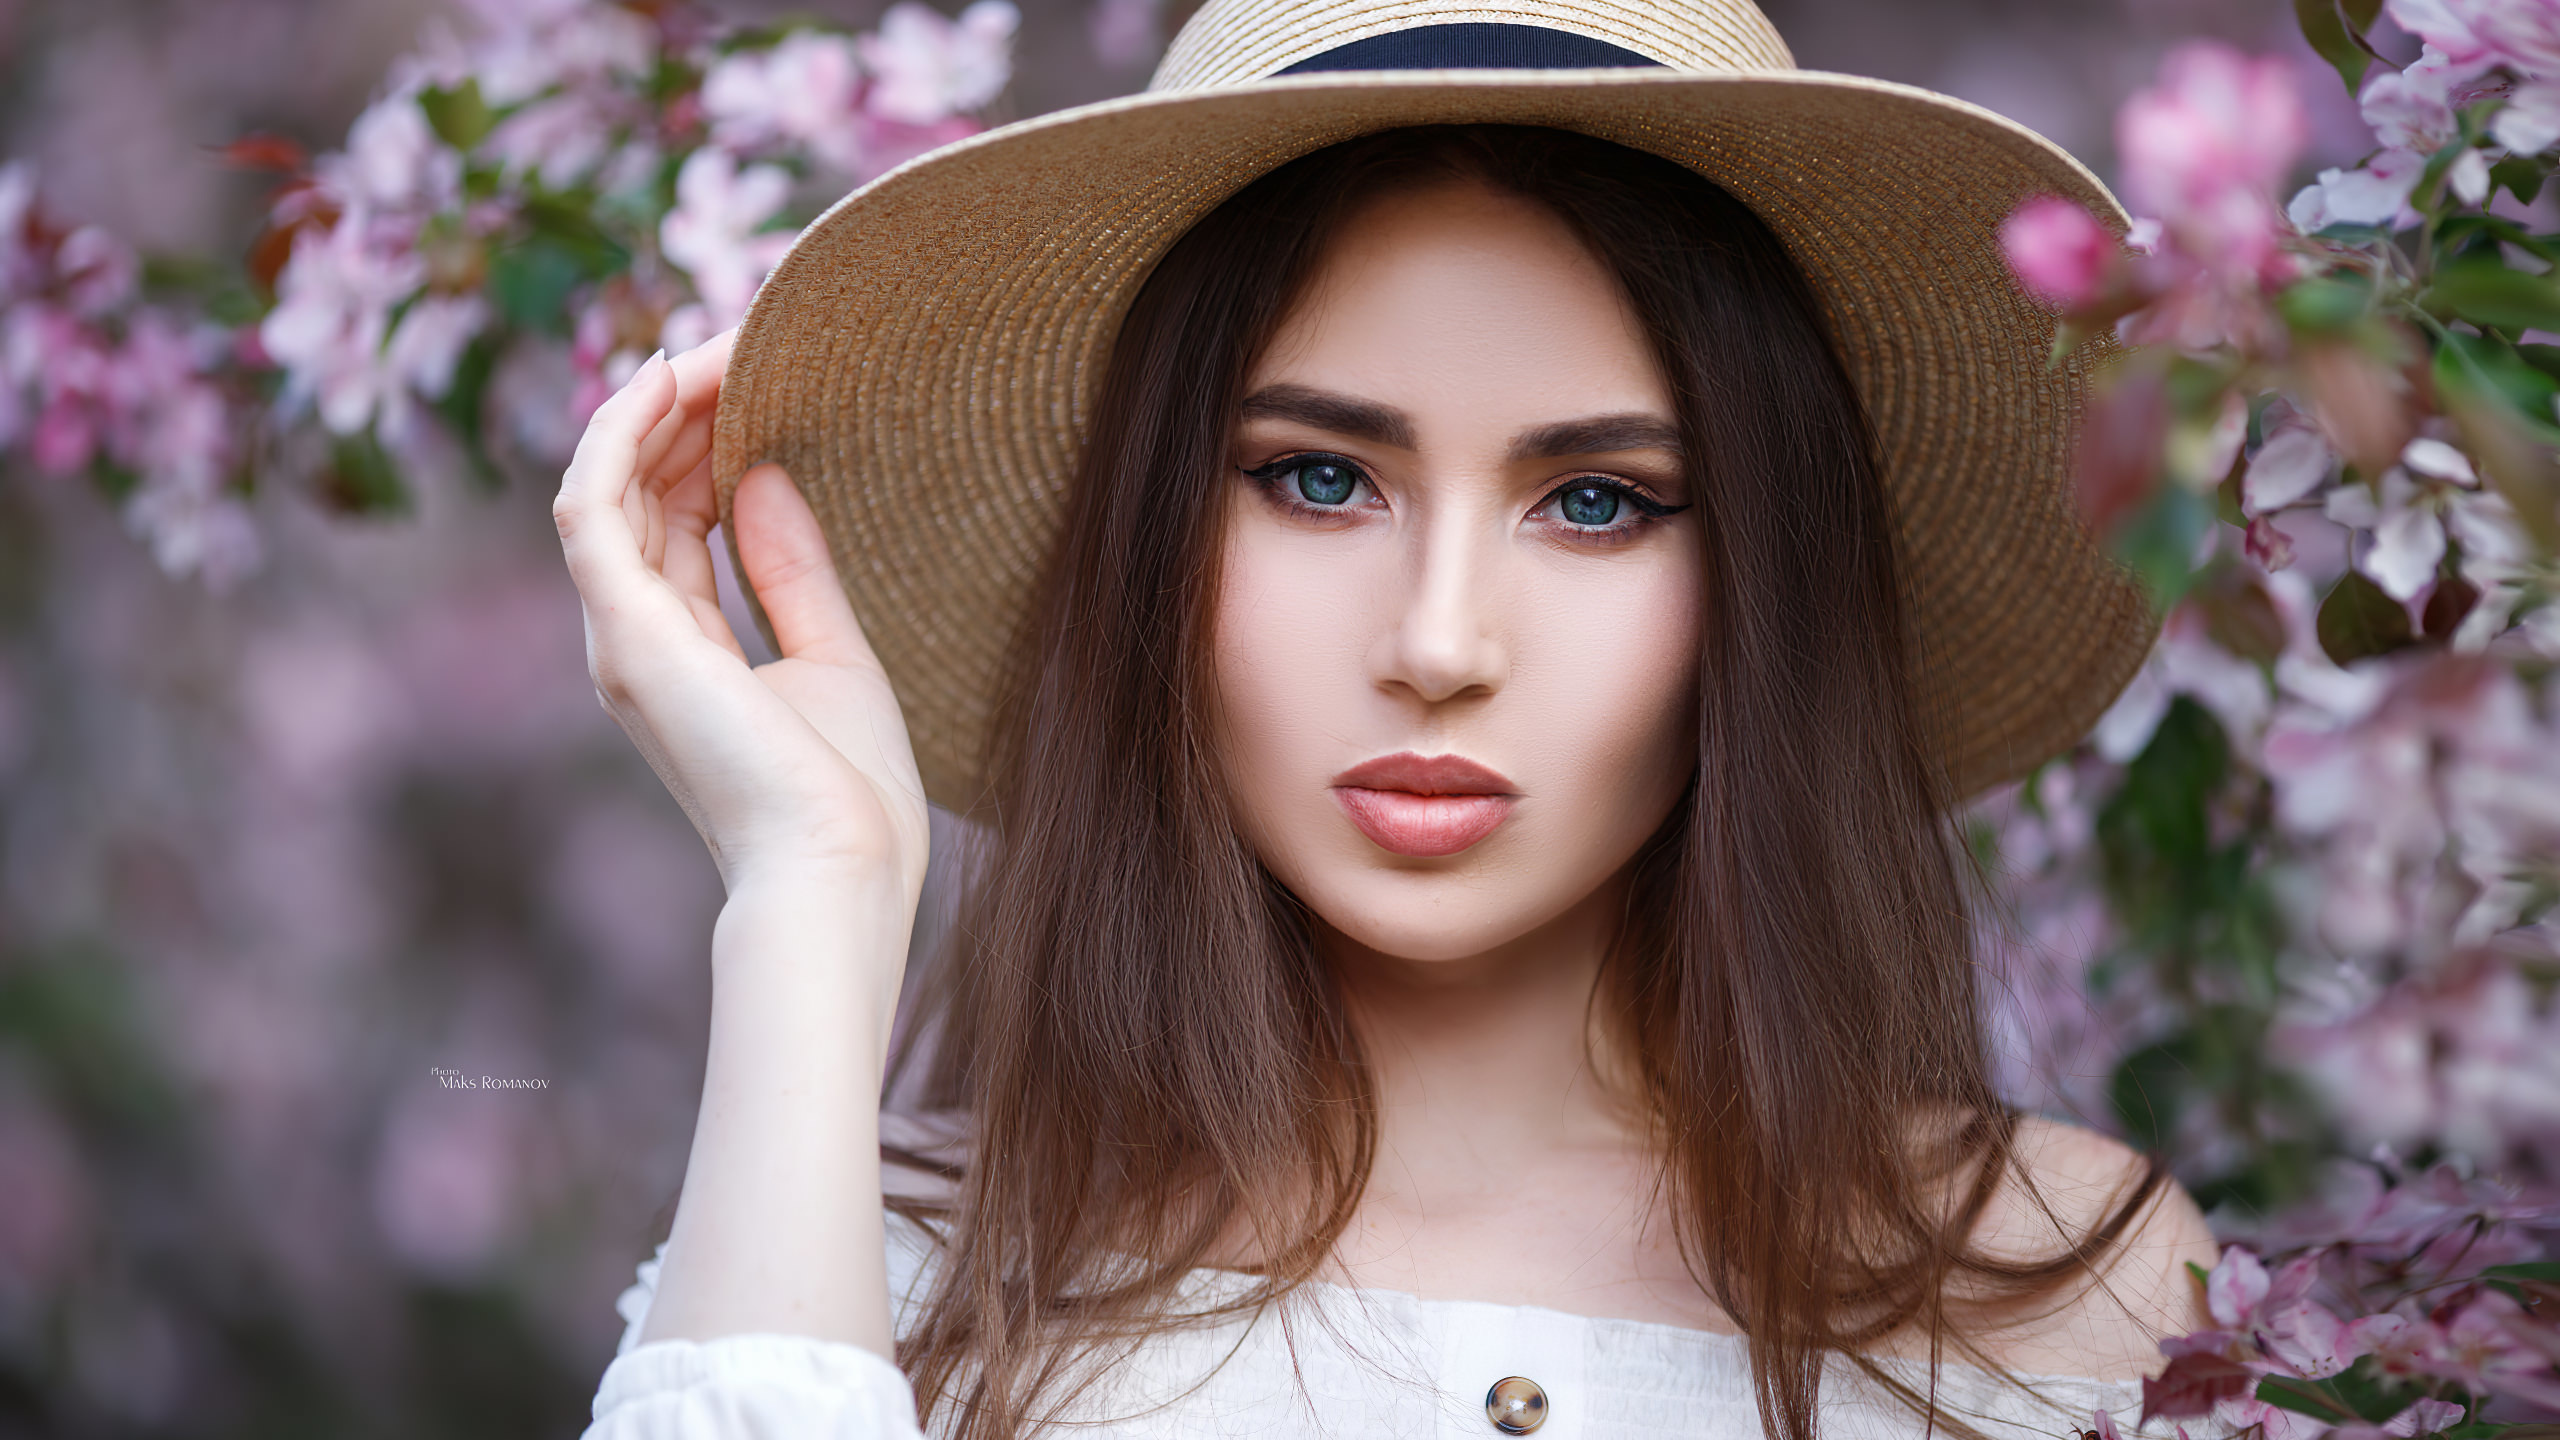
[1433, 915]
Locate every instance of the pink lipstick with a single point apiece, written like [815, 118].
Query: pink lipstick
[1424, 806]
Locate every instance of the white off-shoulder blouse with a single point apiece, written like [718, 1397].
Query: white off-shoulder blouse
[1331, 1361]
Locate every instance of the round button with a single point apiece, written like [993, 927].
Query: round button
[1516, 1405]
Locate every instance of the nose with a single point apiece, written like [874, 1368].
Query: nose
[1445, 642]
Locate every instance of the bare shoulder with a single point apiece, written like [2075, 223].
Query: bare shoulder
[2068, 1182]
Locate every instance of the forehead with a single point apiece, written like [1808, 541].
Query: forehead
[1459, 301]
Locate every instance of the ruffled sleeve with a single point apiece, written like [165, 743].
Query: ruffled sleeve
[746, 1387]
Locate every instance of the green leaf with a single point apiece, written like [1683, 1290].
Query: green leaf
[459, 116]
[363, 478]
[2360, 13]
[2326, 302]
[2144, 1090]
[461, 409]
[2548, 1270]
[531, 283]
[2503, 406]
[2159, 541]
[2486, 293]
[2429, 193]
[2480, 234]
[2370, 1393]
[2327, 31]
[2489, 368]
[2545, 358]
[2303, 1397]
[2521, 175]
[2359, 621]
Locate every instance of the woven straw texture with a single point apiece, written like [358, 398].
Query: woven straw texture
[1227, 43]
[924, 360]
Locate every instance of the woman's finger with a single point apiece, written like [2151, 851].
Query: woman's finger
[679, 441]
[688, 566]
[602, 546]
[784, 554]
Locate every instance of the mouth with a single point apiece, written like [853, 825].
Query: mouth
[1424, 806]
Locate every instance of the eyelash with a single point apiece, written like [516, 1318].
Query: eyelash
[1647, 510]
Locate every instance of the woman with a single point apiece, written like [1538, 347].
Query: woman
[1464, 933]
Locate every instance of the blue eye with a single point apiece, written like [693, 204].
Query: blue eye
[1315, 482]
[1589, 505]
[1321, 483]
[1604, 510]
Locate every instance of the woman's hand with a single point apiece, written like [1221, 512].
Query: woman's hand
[800, 778]
[794, 767]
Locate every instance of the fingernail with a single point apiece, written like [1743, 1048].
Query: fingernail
[657, 358]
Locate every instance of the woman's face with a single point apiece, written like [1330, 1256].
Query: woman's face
[1458, 622]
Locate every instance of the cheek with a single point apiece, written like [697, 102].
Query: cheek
[1606, 679]
[1289, 663]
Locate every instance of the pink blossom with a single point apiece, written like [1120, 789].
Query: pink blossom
[98, 272]
[2467, 38]
[2478, 35]
[530, 47]
[607, 346]
[926, 69]
[716, 229]
[169, 424]
[65, 364]
[2267, 545]
[2061, 254]
[419, 359]
[2408, 540]
[1125, 32]
[2204, 147]
[2375, 193]
[2467, 1058]
[2186, 661]
[206, 534]
[2423, 1417]
[2278, 1312]
[805, 91]
[333, 312]
[559, 140]
[2411, 109]
[2529, 123]
[2483, 1351]
[394, 161]
[2294, 462]
[2236, 1287]
[2366, 787]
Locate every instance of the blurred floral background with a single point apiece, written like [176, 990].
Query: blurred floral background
[304, 796]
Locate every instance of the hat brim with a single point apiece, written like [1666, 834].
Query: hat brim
[924, 360]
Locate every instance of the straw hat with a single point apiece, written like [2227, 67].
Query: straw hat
[924, 361]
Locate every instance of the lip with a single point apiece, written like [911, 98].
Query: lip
[1424, 806]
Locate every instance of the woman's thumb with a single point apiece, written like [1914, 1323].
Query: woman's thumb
[784, 556]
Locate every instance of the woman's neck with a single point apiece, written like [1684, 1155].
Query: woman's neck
[1514, 1161]
[1484, 1058]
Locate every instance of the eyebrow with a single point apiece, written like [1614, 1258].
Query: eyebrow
[1596, 435]
[1386, 425]
[1339, 414]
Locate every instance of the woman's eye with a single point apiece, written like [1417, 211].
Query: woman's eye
[1313, 482]
[1604, 509]
[1320, 483]
[1591, 505]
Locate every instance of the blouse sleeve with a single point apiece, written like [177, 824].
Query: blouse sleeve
[744, 1387]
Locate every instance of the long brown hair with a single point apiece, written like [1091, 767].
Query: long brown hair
[1135, 1018]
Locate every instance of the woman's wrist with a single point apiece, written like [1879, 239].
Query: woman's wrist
[818, 925]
